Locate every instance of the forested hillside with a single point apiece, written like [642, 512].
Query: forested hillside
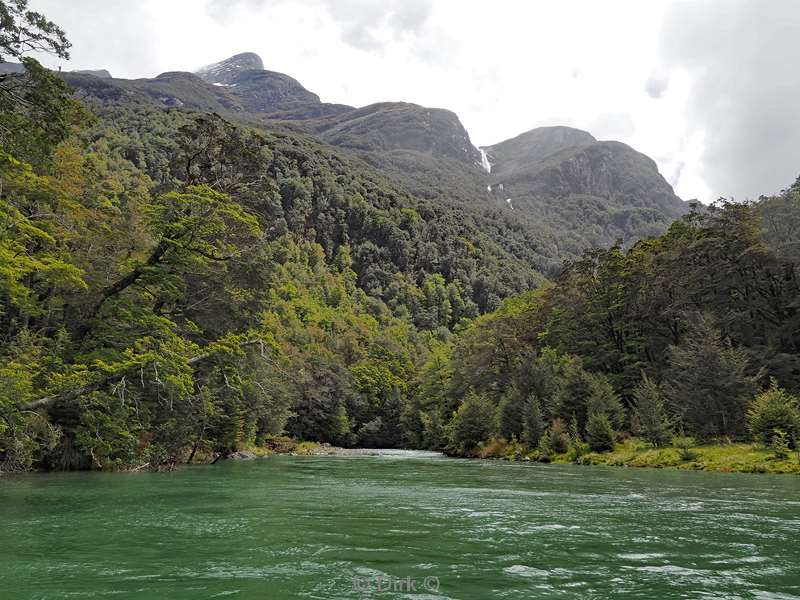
[172, 277]
[175, 285]
[675, 336]
[558, 186]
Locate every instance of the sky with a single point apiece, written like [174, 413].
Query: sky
[710, 89]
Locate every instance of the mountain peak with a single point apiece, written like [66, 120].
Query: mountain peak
[227, 70]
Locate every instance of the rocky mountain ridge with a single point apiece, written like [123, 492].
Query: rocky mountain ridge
[588, 192]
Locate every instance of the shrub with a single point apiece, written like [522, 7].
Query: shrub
[774, 409]
[780, 444]
[545, 449]
[557, 436]
[577, 449]
[684, 445]
[599, 432]
[494, 448]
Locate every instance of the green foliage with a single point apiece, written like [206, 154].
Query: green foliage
[510, 422]
[708, 382]
[37, 112]
[580, 393]
[779, 444]
[532, 421]
[599, 432]
[774, 410]
[472, 423]
[649, 413]
[708, 308]
[23, 31]
[577, 449]
[684, 444]
[558, 438]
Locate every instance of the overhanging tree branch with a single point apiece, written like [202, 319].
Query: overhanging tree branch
[72, 394]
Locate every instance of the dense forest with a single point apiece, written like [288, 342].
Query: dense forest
[175, 286]
[694, 333]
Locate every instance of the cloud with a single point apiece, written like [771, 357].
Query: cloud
[657, 84]
[742, 57]
[365, 25]
[612, 126]
[708, 86]
[103, 32]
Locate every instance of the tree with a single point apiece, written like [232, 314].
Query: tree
[599, 432]
[557, 437]
[580, 393]
[509, 416]
[37, 110]
[650, 416]
[774, 410]
[472, 423]
[532, 422]
[23, 31]
[707, 382]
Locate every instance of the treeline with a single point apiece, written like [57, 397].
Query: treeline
[695, 333]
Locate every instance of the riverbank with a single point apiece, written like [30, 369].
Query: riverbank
[726, 458]
[632, 452]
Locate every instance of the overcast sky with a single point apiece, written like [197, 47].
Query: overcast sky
[709, 89]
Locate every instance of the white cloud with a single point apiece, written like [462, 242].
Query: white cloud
[503, 67]
[742, 58]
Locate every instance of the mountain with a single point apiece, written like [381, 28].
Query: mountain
[564, 176]
[531, 147]
[391, 126]
[101, 73]
[558, 184]
[227, 71]
[260, 91]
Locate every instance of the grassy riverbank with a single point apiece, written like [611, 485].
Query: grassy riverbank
[632, 452]
[727, 458]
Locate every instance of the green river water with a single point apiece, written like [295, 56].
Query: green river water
[379, 526]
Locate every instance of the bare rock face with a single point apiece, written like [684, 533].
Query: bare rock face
[552, 163]
[227, 71]
[260, 91]
[603, 191]
[390, 126]
[101, 73]
[531, 147]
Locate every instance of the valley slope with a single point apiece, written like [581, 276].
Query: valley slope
[559, 185]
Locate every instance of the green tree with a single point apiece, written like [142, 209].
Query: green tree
[580, 393]
[472, 423]
[23, 31]
[599, 432]
[650, 416]
[708, 383]
[771, 410]
[37, 110]
[532, 421]
[509, 416]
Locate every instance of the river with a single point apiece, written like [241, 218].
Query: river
[399, 525]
